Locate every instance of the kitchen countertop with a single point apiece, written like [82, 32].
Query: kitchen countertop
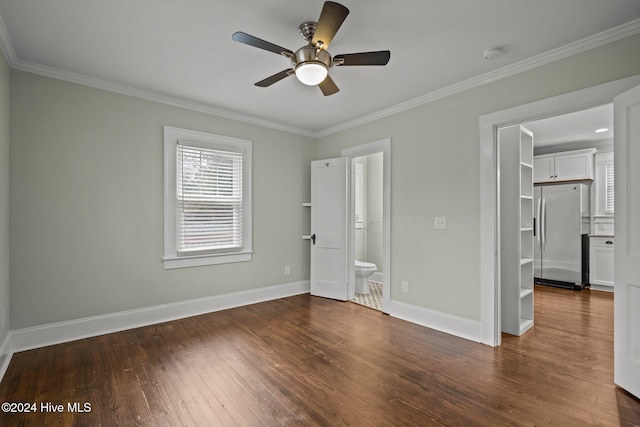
[607, 236]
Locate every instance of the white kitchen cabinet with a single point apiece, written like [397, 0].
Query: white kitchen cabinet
[544, 168]
[566, 166]
[516, 229]
[601, 262]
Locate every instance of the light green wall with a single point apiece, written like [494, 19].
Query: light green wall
[87, 191]
[4, 198]
[435, 156]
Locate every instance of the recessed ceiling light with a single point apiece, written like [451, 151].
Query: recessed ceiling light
[601, 130]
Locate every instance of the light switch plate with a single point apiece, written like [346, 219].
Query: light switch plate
[440, 223]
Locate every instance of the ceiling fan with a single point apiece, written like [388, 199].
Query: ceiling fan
[311, 62]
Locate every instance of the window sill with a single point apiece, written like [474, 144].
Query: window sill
[171, 263]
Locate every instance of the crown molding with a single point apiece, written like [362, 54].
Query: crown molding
[6, 47]
[608, 36]
[153, 96]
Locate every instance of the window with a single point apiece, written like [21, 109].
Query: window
[207, 199]
[609, 188]
[604, 184]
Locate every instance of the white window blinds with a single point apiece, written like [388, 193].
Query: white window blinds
[609, 188]
[209, 200]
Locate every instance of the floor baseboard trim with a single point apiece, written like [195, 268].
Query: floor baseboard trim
[602, 288]
[56, 333]
[377, 277]
[5, 355]
[450, 324]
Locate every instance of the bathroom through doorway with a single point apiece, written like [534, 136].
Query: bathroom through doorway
[370, 224]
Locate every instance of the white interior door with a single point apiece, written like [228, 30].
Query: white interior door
[329, 207]
[627, 248]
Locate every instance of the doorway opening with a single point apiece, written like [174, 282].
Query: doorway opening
[563, 139]
[369, 236]
[368, 217]
[490, 230]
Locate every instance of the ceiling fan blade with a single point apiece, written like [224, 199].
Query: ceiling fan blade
[275, 78]
[250, 40]
[328, 86]
[331, 18]
[365, 58]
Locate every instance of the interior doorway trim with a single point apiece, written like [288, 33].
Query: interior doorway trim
[384, 146]
[489, 238]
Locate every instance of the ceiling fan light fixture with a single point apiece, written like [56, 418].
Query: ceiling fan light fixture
[311, 73]
[311, 65]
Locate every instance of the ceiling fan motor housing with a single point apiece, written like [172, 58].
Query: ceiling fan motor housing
[309, 54]
[311, 65]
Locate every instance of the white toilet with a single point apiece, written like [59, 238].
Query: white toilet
[363, 271]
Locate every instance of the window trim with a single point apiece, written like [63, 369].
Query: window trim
[170, 257]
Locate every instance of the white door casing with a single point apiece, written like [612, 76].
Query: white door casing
[627, 248]
[329, 207]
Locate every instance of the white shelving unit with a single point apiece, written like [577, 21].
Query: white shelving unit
[516, 228]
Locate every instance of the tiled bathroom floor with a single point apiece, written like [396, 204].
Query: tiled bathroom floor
[373, 299]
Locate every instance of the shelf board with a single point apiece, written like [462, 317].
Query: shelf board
[524, 261]
[307, 204]
[306, 237]
[526, 229]
[525, 292]
[526, 164]
[522, 196]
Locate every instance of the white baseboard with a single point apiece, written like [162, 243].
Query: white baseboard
[377, 277]
[603, 288]
[56, 333]
[454, 325]
[5, 354]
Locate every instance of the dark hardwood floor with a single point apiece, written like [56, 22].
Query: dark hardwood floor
[310, 361]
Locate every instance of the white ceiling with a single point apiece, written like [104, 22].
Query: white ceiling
[573, 128]
[181, 50]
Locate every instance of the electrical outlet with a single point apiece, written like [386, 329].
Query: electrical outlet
[405, 287]
[287, 270]
[440, 223]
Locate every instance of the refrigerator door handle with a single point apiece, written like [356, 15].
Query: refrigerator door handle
[534, 226]
[537, 224]
[543, 224]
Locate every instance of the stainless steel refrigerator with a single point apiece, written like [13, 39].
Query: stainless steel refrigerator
[561, 228]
